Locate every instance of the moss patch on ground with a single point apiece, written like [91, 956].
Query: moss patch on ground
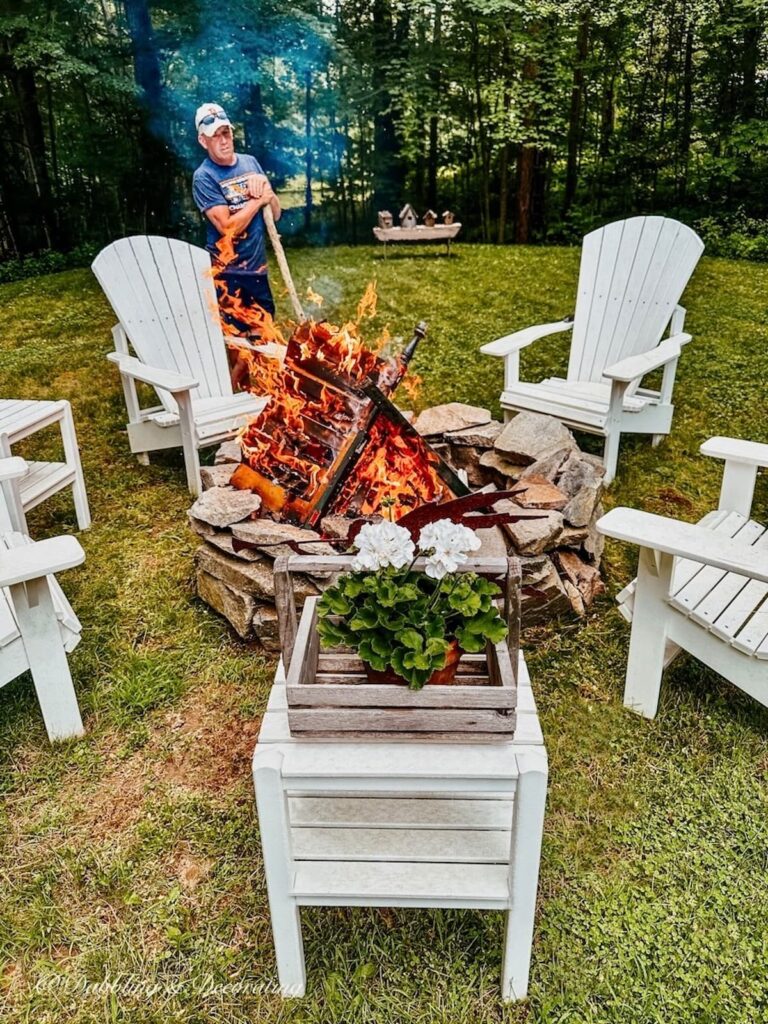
[131, 887]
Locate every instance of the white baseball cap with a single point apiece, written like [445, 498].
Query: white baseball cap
[209, 118]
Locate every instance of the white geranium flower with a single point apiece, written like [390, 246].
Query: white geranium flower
[382, 544]
[446, 546]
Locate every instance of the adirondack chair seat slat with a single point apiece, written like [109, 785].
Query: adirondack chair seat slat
[163, 293]
[43, 480]
[714, 606]
[586, 402]
[493, 814]
[632, 275]
[210, 411]
[452, 846]
[350, 884]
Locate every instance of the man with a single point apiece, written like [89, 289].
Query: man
[231, 191]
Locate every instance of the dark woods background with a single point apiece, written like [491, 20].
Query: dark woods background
[532, 120]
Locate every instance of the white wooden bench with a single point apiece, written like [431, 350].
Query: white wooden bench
[18, 420]
[37, 625]
[702, 588]
[409, 824]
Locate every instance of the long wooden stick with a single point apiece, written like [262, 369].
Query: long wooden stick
[282, 262]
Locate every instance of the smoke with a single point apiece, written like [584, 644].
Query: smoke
[256, 59]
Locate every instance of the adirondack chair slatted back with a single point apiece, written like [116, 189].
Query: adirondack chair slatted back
[163, 294]
[632, 275]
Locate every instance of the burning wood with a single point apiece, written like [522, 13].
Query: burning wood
[330, 440]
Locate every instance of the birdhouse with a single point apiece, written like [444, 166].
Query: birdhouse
[448, 217]
[408, 217]
[385, 219]
[429, 219]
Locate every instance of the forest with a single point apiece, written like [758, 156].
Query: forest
[533, 121]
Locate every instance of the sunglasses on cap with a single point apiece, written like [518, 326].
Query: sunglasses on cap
[210, 118]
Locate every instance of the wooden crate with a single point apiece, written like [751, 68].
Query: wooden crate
[328, 693]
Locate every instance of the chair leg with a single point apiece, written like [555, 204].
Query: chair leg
[647, 642]
[72, 457]
[189, 442]
[525, 854]
[274, 828]
[611, 455]
[47, 658]
[142, 458]
[656, 440]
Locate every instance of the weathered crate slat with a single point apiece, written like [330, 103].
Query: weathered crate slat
[328, 693]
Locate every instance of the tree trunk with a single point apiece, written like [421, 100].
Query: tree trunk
[687, 119]
[388, 170]
[24, 88]
[434, 119]
[308, 149]
[575, 114]
[526, 162]
[146, 63]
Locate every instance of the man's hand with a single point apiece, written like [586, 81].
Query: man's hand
[257, 184]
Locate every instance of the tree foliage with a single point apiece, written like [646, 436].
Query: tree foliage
[533, 120]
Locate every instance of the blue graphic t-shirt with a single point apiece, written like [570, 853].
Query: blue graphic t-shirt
[214, 185]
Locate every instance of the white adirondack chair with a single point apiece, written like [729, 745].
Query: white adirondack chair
[18, 420]
[163, 294]
[702, 588]
[37, 625]
[631, 278]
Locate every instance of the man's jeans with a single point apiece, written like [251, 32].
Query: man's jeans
[251, 289]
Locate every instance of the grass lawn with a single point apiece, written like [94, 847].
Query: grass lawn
[131, 887]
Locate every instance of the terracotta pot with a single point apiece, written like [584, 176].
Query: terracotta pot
[443, 676]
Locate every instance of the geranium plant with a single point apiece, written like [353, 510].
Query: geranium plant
[406, 621]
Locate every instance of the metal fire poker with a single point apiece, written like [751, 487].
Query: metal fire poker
[282, 262]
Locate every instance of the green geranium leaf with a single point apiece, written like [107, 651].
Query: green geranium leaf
[410, 638]
[364, 618]
[333, 602]
[381, 644]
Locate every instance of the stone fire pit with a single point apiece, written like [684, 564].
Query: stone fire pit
[535, 455]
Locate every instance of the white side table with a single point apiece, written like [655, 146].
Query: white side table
[406, 824]
[19, 419]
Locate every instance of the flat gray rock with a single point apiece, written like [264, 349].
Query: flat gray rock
[550, 599]
[482, 437]
[501, 464]
[229, 451]
[578, 471]
[222, 539]
[530, 437]
[534, 536]
[549, 467]
[236, 607]
[223, 506]
[581, 508]
[267, 535]
[254, 578]
[441, 419]
[336, 526]
[217, 476]
[265, 627]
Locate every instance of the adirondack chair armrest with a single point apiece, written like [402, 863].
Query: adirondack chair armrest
[635, 367]
[521, 339]
[12, 468]
[166, 380]
[684, 540]
[732, 449]
[30, 562]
